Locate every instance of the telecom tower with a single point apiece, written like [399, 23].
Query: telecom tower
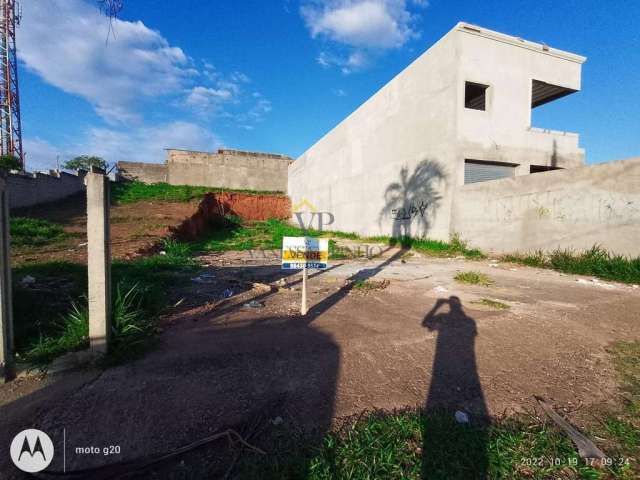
[10, 125]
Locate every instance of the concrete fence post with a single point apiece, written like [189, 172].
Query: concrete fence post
[6, 310]
[99, 260]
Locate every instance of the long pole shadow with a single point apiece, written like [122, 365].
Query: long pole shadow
[454, 445]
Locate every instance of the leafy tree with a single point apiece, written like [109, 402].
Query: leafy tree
[10, 162]
[85, 162]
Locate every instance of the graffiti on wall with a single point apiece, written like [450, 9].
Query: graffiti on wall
[410, 211]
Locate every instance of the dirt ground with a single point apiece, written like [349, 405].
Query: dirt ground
[418, 339]
[134, 228]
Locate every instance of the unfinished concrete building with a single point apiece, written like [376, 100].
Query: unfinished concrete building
[233, 169]
[459, 114]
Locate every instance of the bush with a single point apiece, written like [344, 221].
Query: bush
[10, 162]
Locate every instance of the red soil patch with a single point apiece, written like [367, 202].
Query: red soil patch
[215, 206]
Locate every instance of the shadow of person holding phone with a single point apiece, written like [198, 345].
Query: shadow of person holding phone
[455, 426]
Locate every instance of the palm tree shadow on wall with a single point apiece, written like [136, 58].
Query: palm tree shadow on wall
[452, 450]
[412, 201]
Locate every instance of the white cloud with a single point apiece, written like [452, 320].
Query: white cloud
[353, 62]
[40, 154]
[65, 42]
[365, 26]
[146, 144]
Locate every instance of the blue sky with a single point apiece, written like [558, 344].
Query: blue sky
[276, 75]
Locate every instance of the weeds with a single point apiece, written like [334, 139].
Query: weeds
[34, 232]
[474, 278]
[492, 303]
[596, 261]
[72, 335]
[370, 285]
[130, 192]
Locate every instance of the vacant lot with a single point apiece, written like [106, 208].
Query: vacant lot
[135, 226]
[389, 333]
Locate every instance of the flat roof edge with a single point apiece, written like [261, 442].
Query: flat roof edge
[518, 42]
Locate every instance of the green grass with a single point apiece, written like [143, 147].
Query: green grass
[27, 231]
[624, 426]
[456, 246]
[49, 319]
[474, 278]
[414, 444]
[235, 234]
[417, 445]
[596, 261]
[129, 192]
[368, 285]
[492, 303]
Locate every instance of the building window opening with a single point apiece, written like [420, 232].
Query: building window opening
[475, 96]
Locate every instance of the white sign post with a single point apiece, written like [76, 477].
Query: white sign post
[301, 253]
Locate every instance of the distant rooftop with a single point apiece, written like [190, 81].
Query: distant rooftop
[227, 151]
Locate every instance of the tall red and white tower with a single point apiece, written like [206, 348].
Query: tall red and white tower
[10, 124]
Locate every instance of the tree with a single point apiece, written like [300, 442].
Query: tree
[10, 162]
[85, 162]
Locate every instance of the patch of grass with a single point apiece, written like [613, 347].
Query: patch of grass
[369, 285]
[129, 192]
[596, 261]
[474, 278]
[624, 426]
[70, 333]
[492, 303]
[456, 246]
[234, 234]
[416, 445]
[132, 331]
[27, 231]
[43, 316]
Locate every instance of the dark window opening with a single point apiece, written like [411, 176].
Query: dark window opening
[541, 168]
[543, 92]
[481, 171]
[475, 96]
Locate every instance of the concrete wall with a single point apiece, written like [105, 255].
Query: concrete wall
[391, 158]
[503, 132]
[26, 189]
[574, 208]
[143, 172]
[224, 169]
[228, 169]
[391, 167]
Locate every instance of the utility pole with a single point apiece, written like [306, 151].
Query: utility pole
[10, 123]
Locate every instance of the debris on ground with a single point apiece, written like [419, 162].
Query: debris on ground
[228, 293]
[586, 448]
[440, 289]
[597, 282]
[27, 280]
[461, 417]
[261, 287]
[253, 304]
[204, 278]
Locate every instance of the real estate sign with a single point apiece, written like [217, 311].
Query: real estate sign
[304, 252]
